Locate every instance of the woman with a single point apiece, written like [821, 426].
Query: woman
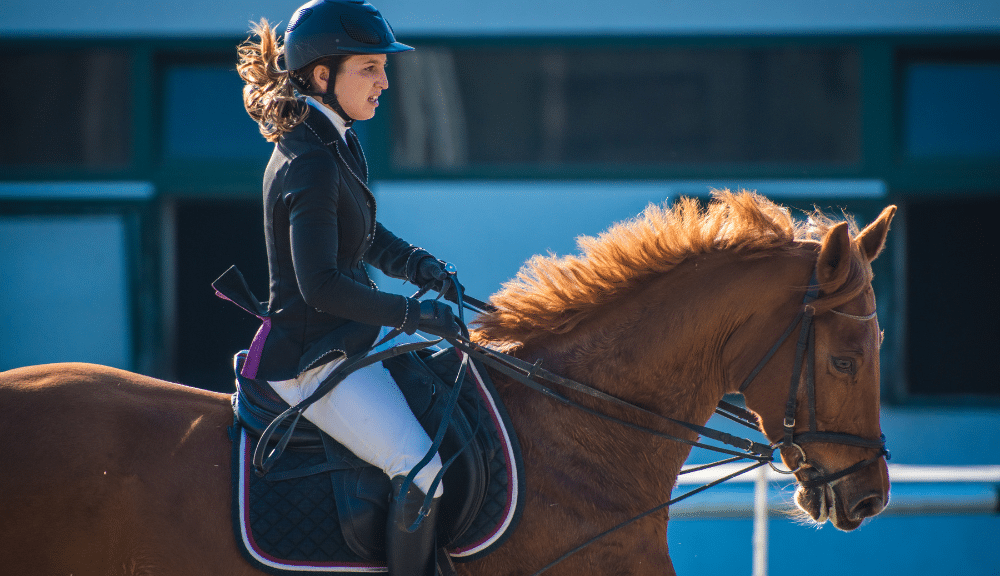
[320, 229]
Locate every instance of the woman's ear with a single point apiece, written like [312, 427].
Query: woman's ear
[320, 78]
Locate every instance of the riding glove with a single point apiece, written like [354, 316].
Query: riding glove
[437, 318]
[431, 271]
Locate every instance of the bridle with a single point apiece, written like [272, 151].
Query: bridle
[805, 351]
[761, 454]
[529, 374]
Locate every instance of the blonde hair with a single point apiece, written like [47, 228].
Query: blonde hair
[269, 94]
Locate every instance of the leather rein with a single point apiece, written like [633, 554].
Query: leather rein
[531, 376]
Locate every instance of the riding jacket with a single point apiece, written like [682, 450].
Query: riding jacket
[320, 230]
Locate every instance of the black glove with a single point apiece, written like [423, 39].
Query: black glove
[437, 318]
[431, 271]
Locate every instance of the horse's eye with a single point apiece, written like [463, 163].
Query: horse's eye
[845, 365]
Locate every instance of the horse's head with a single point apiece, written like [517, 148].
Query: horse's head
[827, 418]
[682, 292]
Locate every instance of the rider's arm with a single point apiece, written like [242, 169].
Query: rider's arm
[394, 256]
[314, 245]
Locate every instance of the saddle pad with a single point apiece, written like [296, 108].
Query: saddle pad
[291, 526]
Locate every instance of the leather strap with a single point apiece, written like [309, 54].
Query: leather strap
[261, 464]
[526, 374]
[826, 479]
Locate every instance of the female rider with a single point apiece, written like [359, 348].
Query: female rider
[320, 229]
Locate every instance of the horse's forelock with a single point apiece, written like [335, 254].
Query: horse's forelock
[858, 279]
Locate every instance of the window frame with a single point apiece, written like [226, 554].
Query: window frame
[380, 156]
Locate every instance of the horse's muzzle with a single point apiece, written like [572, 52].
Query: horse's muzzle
[866, 506]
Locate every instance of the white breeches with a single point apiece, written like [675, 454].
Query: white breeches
[368, 414]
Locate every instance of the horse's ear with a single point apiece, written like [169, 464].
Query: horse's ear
[871, 240]
[834, 262]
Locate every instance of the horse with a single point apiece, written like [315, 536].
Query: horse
[109, 472]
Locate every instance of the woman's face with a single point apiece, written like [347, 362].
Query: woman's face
[359, 82]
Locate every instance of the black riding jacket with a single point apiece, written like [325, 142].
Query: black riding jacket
[320, 229]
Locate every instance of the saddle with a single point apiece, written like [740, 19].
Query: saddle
[334, 505]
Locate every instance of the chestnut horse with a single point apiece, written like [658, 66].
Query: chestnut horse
[107, 472]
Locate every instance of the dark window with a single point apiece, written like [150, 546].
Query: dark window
[952, 109]
[66, 107]
[204, 117]
[468, 106]
[211, 236]
[952, 314]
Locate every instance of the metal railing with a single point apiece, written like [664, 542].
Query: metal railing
[916, 490]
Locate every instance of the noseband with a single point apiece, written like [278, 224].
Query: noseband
[805, 351]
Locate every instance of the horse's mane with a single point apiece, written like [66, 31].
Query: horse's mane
[552, 294]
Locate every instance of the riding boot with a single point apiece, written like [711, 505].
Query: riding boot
[410, 553]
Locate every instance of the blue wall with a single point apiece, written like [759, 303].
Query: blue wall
[461, 17]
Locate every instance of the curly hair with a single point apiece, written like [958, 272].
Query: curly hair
[269, 94]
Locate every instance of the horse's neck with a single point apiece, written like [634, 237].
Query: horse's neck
[678, 344]
[674, 346]
[657, 348]
[662, 345]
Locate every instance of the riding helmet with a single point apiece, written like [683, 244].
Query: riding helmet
[337, 27]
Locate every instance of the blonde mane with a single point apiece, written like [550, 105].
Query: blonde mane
[552, 294]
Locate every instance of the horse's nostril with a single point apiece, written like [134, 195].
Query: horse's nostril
[867, 506]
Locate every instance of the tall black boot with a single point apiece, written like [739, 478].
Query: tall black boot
[410, 553]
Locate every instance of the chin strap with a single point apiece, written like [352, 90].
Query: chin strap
[330, 99]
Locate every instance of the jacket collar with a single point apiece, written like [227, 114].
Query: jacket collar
[332, 116]
[327, 133]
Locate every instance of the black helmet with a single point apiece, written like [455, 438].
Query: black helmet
[329, 27]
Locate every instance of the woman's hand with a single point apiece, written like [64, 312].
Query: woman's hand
[437, 318]
[434, 272]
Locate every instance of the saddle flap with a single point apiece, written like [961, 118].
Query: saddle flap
[256, 405]
[363, 509]
[426, 381]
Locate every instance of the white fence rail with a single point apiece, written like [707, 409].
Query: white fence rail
[916, 490]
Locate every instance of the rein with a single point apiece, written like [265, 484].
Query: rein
[805, 351]
[530, 374]
[526, 374]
